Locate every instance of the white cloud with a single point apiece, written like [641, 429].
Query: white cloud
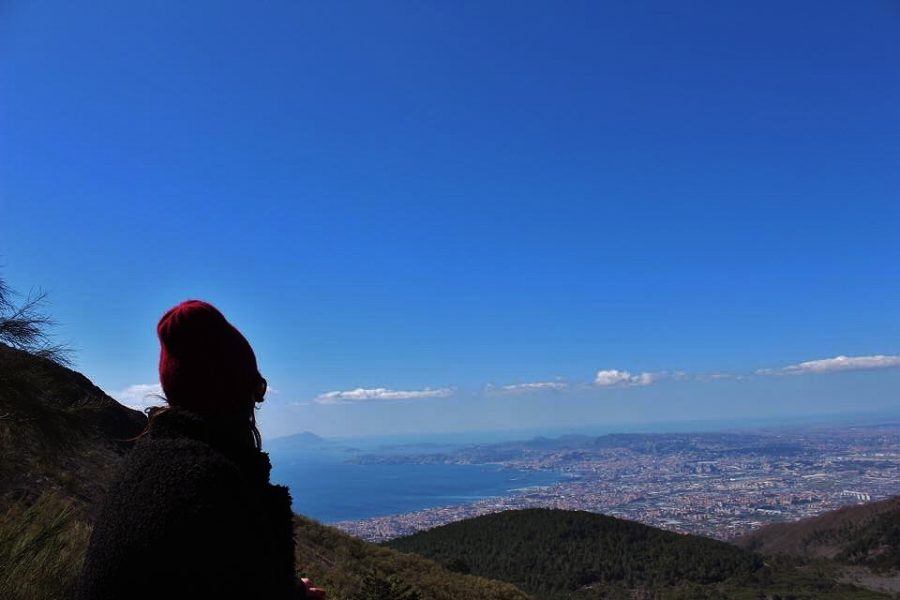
[838, 363]
[536, 386]
[613, 377]
[718, 376]
[140, 396]
[376, 394]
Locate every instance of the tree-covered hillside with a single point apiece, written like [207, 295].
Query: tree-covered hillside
[556, 554]
[352, 569]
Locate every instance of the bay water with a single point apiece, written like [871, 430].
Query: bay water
[330, 490]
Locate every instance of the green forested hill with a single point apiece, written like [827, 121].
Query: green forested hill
[557, 554]
[352, 569]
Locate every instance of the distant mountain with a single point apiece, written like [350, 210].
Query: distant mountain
[725, 444]
[867, 535]
[305, 439]
[557, 554]
[306, 445]
[709, 444]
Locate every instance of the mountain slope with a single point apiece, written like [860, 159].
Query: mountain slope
[557, 554]
[866, 535]
[59, 433]
[60, 443]
[342, 563]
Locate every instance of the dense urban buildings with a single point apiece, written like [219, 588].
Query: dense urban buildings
[719, 485]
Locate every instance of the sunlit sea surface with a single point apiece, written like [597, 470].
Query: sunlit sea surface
[331, 491]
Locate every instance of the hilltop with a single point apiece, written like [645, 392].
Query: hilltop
[352, 569]
[558, 554]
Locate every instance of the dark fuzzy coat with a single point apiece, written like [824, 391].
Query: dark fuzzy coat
[192, 515]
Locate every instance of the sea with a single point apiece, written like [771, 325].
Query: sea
[331, 490]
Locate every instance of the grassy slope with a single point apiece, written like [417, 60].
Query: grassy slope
[341, 562]
[41, 548]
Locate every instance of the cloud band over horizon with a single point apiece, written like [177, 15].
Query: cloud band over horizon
[523, 388]
[616, 378]
[380, 394]
[141, 396]
[838, 363]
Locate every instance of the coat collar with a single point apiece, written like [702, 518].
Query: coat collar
[228, 437]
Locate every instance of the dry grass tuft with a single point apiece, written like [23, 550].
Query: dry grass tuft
[42, 547]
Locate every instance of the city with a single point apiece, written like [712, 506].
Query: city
[720, 485]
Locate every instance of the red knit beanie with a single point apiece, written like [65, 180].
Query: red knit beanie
[205, 364]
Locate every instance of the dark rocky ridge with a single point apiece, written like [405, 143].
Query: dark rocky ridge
[58, 431]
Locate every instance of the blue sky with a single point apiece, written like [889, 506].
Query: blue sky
[651, 209]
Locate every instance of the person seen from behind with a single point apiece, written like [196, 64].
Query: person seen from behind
[192, 513]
